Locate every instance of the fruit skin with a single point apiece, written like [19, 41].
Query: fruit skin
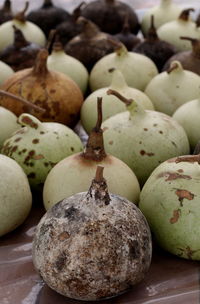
[144, 139]
[37, 147]
[170, 202]
[74, 173]
[82, 240]
[6, 72]
[8, 124]
[53, 91]
[187, 116]
[15, 195]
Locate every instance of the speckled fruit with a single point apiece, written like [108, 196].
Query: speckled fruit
[53, 91]
[37, 147]
[15, 195]
[93, 245]
[143, 138]
[170, 202]
[8, 124]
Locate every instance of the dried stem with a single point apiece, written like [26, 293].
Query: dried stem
[185, 14]
[188, 158]
[172, 68]
[118, 95]
[21, 15]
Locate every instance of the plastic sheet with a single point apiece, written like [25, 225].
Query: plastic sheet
[170, 280]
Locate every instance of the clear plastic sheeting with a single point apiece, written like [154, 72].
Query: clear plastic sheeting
[170, 280]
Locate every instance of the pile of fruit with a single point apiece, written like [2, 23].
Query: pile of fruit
[132, 170]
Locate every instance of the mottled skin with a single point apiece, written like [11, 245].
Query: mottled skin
[51, 90]
[92, 246]
[170, 202]
[37, 147]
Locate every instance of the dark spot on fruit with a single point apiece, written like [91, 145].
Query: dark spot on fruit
[24, 150]
[161, 132]
[134, 249]
[181, 193]
[60, 262]
[63, 236]
[142, 152]
[173, 176]
[46, 164]
[72, 149]
[28, 121]
[55, 132]
[111, 70]
[173, 143]
[177, 86]
[20, 153]
[110, 142]
[31, 153]
[31, 164]
[71, 213]
[180, 170]
[52, 91]
[175, 217]
[155, 125]
[42, 132]
[17, 139]
[14, 149]
[145, 129]
[140, 142]
[31, 175]
[35, 141]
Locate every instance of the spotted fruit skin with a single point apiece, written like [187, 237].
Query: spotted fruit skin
[89, 250]
[62, 181]
[170, 202]
[15, 195]
[37, 147]
[145, 140]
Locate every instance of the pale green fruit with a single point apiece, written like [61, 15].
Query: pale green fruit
[143, 139]
[187, 116]
[137, 69]
[169, 90]
[8, 124]
[170, 202]
[110, 104]
[61, 62]
[15, 195]
[38, 146]
[6, 72]
[182, 26]
[164, 12]
[74, 173]
[30, 30]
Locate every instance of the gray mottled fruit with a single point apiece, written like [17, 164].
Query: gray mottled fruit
[38, 146]
[170, 202]
[93, 245]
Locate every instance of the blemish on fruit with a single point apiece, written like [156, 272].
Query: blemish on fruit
[42, 132]
[17, 139]
[145, 129]
[175, 217]
[14, 149]
[35, 141]
[142, 152]
[46, 164]
[24, 150]
[52, 91]
[155, 125]
[31, 175]
[184, 194]
[27, 120]
[39, 156]
[173, 143]
[161, 132]
[173, 176]
[72, 149]
[180, 170]
[110, 142]
[63, 236]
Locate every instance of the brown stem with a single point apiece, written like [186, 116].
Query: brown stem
[188, 158]
[89, 29]
[118, 95]
[172, 68]
[50, 40]
[57, 45]
[110, 1]
[195, 45]
[19, 39]
[7, 6]
[94, 149]
[126, 25]
[21, 15]
[99, 174]
[152, 34]
[99, 189]
[24, 101]
[77, 11]
[40, 67]
[119, 46]
[184, 15]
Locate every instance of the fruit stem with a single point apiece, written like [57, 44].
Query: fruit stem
[89, 29]
[77, 11]
[188, 158]
[152, 34]
[195, 45]
[57, 45]
[94, 149]
[173, 67]
[21, 15]
[19, 39]
[118, 95]
[24, 101]
[126, 26]
[110, 1]
[50, 40]
[47, 3]
[184, 15]
[99, 189]
[40, 67]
